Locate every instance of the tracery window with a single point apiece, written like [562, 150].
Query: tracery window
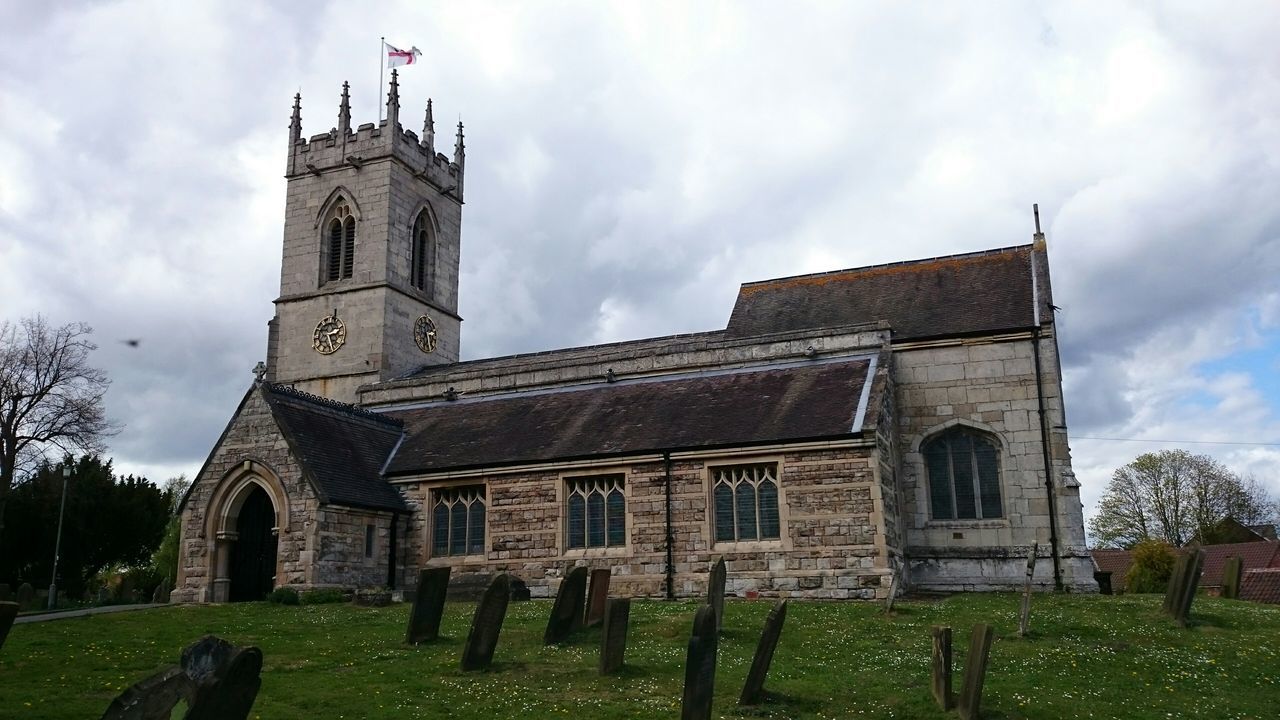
[596, 510]
[457, 521]
[746, 502]
[964, 476]
[423, 250]
[342, 242]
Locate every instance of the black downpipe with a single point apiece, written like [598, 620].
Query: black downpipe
[671, 569]
[391, 555]
[1048, 465]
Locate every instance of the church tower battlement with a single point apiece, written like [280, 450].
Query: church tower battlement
[369, 275]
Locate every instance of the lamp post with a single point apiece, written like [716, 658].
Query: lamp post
[57, 544]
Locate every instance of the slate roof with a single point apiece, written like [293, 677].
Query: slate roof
[951, 296]
[341, 448]
[1262, 586]
[817, 400]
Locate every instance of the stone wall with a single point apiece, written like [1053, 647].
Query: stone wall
[989, 385]
[831, 543]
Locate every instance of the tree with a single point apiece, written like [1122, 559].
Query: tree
[1174, 496]
[1153, 562]
[50, 397]
[165, 560]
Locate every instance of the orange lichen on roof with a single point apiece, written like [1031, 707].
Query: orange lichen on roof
[1021, 252]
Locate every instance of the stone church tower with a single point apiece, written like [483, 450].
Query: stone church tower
[369, 278]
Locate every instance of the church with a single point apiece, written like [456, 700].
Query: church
[846, 435]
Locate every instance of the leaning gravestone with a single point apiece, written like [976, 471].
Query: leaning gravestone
[566, 614]
[613, 636]
[715, 591]
[753, 690]
[942, 667]
[153, 698]
[487, 624]
[597, 595]
[26, 594]
[1187, 593]
[428, 606]
[1231, 574]
[8, 611]
[700, 666]
[975, 672]
[1176, 580]
[1024, 617]
[6, 595]
[226, 679]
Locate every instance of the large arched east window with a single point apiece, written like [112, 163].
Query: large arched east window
[342, 242]
[964, 476]
[423, 251]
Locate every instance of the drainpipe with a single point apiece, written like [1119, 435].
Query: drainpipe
[671, 570]
[1038, 240]
[391, 555]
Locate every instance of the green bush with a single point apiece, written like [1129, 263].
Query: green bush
[1152, 565]
[320, 597]
[283, 596]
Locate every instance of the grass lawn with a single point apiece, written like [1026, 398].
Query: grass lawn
[1087, 657]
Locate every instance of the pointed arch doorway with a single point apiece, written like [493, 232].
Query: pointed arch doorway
[253, 554]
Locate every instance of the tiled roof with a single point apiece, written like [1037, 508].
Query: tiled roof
[1116, 562]
[1252, 555]
[1262, 586]
[941, 297]
[817, 400]
[341, 447]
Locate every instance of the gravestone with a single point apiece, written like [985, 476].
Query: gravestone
[597, 596]
[470, 586]
[161, 594]
[486, 624]
[8, 611]
[715, 591]
[613, 636]
[1231, 574]
[26, 594]
[226, 679]
[1190, 583]
[6, 595]
[753, 690]
[104, 595]
[942, 667]
[519, 591]
[1103, 578]
[700, 666]
[428, 606]
[975, 672]
[566, 614]
[1176, 580]
[1024, 617]
[153, 698]
[893, 592]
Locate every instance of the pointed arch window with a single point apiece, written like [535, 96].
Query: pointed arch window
[745, 498]
[423, 258]
[597, 512]
[964, 476]
[458, 521]
[341, 238]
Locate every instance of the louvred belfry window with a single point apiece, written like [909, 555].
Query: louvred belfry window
[746, 502]
[342, 243]
[457, 521]
[422, 251]
[596, 512]
[964, 476]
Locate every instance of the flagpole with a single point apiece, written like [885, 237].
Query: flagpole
[382, 51]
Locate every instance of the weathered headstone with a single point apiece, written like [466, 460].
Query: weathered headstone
[1024, 617]
[613, 636]
[1103, 578]
[700, 666]
[161, 594]
[1190, 584]
[753, 689]
[942, 667]
[566, 614]
[1176, 580]
[486, 624]
[428, 605]
[597, 595]
[519, 591]
[26, 595]
[715, 591]
[153, 698]
[893, 592]
[975, 672]
[6, 595]
[226, 679]
[8, 611]
[1231, 574]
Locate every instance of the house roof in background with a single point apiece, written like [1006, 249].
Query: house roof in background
[1261, 586]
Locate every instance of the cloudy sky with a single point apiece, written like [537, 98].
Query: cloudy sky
[630, 164]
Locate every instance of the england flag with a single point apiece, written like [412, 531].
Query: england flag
[397, 57]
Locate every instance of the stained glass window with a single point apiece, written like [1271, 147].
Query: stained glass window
[596, 511]
[457, 520]
[964, 476]
[746, 502]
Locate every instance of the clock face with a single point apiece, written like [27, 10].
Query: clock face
[330, 334]
[424, 334]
